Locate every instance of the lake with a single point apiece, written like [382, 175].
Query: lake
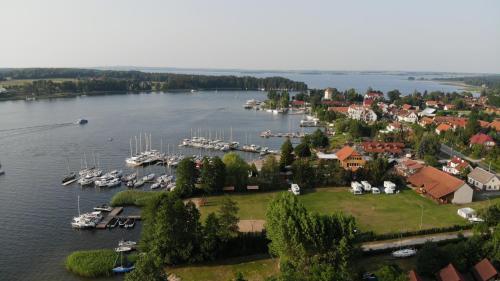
[37, 140]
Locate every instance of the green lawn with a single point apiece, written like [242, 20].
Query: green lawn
[252, 268]
[379, 213]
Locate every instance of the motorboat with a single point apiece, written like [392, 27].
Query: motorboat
[404, 253]
[130, 183]
[139, 183]
[81, 121]
[121, 222]
[127, 243]
[123, 269]
[155, 185]
[104, 207]
[123, 249]
[114, 182]
[113, 223]
[130, 223]
[69, 178]
[130, 177]
[149, 177]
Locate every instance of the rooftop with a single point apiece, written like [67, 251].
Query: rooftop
[435, 182]
[450, 273]
[481, 175]
[484, 270]
[346, 152]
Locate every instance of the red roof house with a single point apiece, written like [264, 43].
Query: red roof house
[383, 147]
[413, 276]
[450, 273]
[485, 271]
[482, 139]
[440, 186]
[443, 127]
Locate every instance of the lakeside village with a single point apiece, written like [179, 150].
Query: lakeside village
[414, 155]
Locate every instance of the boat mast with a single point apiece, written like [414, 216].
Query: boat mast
[78, 205]
[130, 141]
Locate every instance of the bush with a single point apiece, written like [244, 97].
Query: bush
[94, 263]
[137, 198]
[371, 236]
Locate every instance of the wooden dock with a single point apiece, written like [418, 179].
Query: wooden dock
[104, 223]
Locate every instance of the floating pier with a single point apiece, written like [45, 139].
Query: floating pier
[114, 213]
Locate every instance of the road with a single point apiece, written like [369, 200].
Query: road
[451, 152]
[413, 241]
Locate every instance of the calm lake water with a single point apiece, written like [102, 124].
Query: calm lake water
[36, 141]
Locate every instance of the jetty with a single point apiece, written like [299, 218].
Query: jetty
[270, 134]
[114, 213]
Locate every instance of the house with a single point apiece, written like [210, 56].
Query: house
[408, 167]
[328, 94]
[455, 165]
[482, 139]
[367, 102]
[485, 271]
[413, 276]
[298, 103]
[450, 273]
[495, 125]
[484, 124]
[361, 113]
[428, 111]
[408, 107]
[425, 121]
[449, 107]
[443, 127]
[374, 95]
[483, 180]
[433, 103]
[393, 148]
[350, 159]
[455, 122]
[441, 186]
[407, 116]
[339, 109]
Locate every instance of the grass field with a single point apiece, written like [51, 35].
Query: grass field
[379, 213]
[253, 268]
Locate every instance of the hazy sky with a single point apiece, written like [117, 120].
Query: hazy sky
[446, 35]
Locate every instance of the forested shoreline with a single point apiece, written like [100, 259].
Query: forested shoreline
[68, 82]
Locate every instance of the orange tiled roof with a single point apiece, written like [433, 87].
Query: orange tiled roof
[480, 139]
[381, 147]
[435, 182]
[495, 125]
[443, 127]
[413, 276]
[484, 270]
[346, 152]
[450, 273]
[339, 109]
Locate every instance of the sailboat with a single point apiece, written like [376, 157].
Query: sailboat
[404, 253]
[121, 268]
[70, 177]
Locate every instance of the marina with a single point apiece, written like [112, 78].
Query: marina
[44, 154]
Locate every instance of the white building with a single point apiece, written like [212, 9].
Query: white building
[328, 94]
[483, 180]
[455, 165]
[358, 112]
[407, 116]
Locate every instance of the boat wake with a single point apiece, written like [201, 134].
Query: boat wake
[12, 132]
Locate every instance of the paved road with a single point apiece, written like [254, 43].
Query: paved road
[451, 152]
[412, 241]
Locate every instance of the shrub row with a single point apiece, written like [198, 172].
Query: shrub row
[371, 236]
[137, 198]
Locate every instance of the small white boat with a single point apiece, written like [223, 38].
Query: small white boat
[124, 243]
[104, 208]
[404, 253]
[123, 249]
[149, 177]
[155, 185]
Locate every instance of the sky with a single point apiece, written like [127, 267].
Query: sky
[424, 35]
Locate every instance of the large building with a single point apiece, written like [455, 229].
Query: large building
[328, 94]
[362, 113]
[350, 159]
[483, 180]
[440, 186]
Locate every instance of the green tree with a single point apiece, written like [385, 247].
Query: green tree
[430, 259]
[428, 145]
[212, 175]
[308, 244]
[146, 269]
[269, 176]
[186, 177]
[302, 150]
[286, 158]
[431, 160]
[303, 173]
[228, 218]
[390, 272]
[239, 277]
[318, 139]
[393, 95]
[211, 243]
[236, 171]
